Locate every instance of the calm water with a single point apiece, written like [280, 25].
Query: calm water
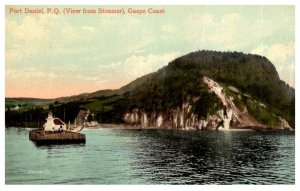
[153, 157]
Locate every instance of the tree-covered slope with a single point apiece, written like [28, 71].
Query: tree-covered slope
[253, 75]
[251, 81]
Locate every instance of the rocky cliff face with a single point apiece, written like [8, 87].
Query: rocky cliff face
[184, 118]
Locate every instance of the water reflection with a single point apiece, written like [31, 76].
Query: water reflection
[216, 157]
[58, 146]
[113, 156]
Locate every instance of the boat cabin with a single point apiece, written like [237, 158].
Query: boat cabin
[54, 124]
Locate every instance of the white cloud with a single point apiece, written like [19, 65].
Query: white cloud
[35, 36]
[77, 46]
[281, 52]
[69, 33]
[199, 19]
[141, 65]
[282, 55]
[278, 53]
[73, 34]
[230, 31]
[138, 47]
[12, 55]
[260, 50]
[30, 74]
[27, 38]
[88, 29]
[117, 74]
[206, 29]
[168, 28]
[135, 66]
[30, 29]
[194, 25]
[230, 18]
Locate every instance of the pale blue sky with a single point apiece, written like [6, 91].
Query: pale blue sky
[51, 56]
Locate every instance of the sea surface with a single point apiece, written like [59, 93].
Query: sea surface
[120, 156]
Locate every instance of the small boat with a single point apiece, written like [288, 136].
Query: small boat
[56, 137]
[76, 129]
[56, 131]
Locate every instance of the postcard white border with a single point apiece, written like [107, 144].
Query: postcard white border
[142, 187]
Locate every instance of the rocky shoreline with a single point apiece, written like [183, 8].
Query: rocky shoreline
[184, 118]
[126, 126]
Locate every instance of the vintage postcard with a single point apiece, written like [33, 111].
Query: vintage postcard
[150, 94]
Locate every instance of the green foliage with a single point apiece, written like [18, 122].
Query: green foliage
[33, 115]
[262, 114]
[181, 81]
[169, 88]
[101, 104]
[208, 103]
[66, 111]
[253, 74]
[108, 109]
[13, 103]
[165, 90]
[112, 110]
[238, 99]
[249, 73]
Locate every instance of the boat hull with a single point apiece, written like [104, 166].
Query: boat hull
[56, 137]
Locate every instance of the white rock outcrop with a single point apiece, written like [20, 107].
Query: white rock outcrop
[183, 117]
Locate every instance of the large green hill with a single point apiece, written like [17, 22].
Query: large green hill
[253, 76]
